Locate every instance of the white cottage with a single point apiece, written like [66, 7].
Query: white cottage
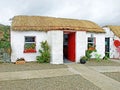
[68, 38]
[112, 41]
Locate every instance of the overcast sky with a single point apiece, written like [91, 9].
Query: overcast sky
[102, 12]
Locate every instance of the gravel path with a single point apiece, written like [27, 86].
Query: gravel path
[10, 67]
[72, 82]
[113, 75]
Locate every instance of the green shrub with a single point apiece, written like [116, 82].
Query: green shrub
[84, 58]
[88, 54]
[97, 57]
[44, 53]
[106, 57]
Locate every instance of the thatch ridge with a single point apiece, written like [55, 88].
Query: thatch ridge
[44, 23]
[115, 29]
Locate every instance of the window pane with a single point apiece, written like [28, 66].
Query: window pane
[90, 39]
[29, 39]
[91, 42]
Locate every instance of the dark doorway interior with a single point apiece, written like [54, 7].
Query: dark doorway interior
[65, 46]
[69, 46]
[107, 47]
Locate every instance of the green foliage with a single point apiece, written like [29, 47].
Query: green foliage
[44, 53]
[30, 46]
[106, 57]
[84, 58]
[97, 57]
[4, 42]
[88, 53]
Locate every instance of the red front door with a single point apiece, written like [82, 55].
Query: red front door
[71, 47]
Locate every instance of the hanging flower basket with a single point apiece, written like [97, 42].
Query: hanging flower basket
[116, 43]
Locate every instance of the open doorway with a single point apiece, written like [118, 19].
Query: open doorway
[69, 47]
[107, 47]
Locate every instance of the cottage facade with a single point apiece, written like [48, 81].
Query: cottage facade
[67, 38]
[112, 41]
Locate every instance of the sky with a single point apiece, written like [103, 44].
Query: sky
[102, 12]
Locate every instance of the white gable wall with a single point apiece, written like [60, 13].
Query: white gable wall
[17, 44]
[111, 35]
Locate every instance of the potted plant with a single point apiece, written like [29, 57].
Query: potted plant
[20, 61]
[83, 59]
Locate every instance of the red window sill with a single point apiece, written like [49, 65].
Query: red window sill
[30, 51]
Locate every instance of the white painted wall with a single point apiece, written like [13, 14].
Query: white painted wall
[55, 39]
[100, 43]
[81, 44]
[111, 35]
[17, 44]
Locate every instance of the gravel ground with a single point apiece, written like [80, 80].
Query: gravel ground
[102, 63]
[113, 75]
[72, 82]
[10, 67]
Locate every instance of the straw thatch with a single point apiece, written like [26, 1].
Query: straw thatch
[41, 23]
[115, 30]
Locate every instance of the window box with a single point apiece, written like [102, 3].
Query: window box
[29, 51]
[30, 44]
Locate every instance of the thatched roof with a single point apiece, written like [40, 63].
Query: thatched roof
[41, 23]
[115, 30]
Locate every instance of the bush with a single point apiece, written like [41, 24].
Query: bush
[97, 57]
[44, 53]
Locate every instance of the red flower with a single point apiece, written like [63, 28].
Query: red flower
[116, 43]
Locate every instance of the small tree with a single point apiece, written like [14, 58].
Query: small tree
[44, 53]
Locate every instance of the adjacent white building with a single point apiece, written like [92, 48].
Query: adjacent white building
[67, 38]
[112, 41]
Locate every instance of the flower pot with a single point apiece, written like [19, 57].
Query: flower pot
[82, 61]
[20, 62]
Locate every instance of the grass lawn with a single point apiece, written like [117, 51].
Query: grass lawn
[94, 62]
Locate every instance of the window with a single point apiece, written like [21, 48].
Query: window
[30, 44]
[91, 42]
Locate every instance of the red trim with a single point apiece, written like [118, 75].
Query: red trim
[30, 51]
[94, 41]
